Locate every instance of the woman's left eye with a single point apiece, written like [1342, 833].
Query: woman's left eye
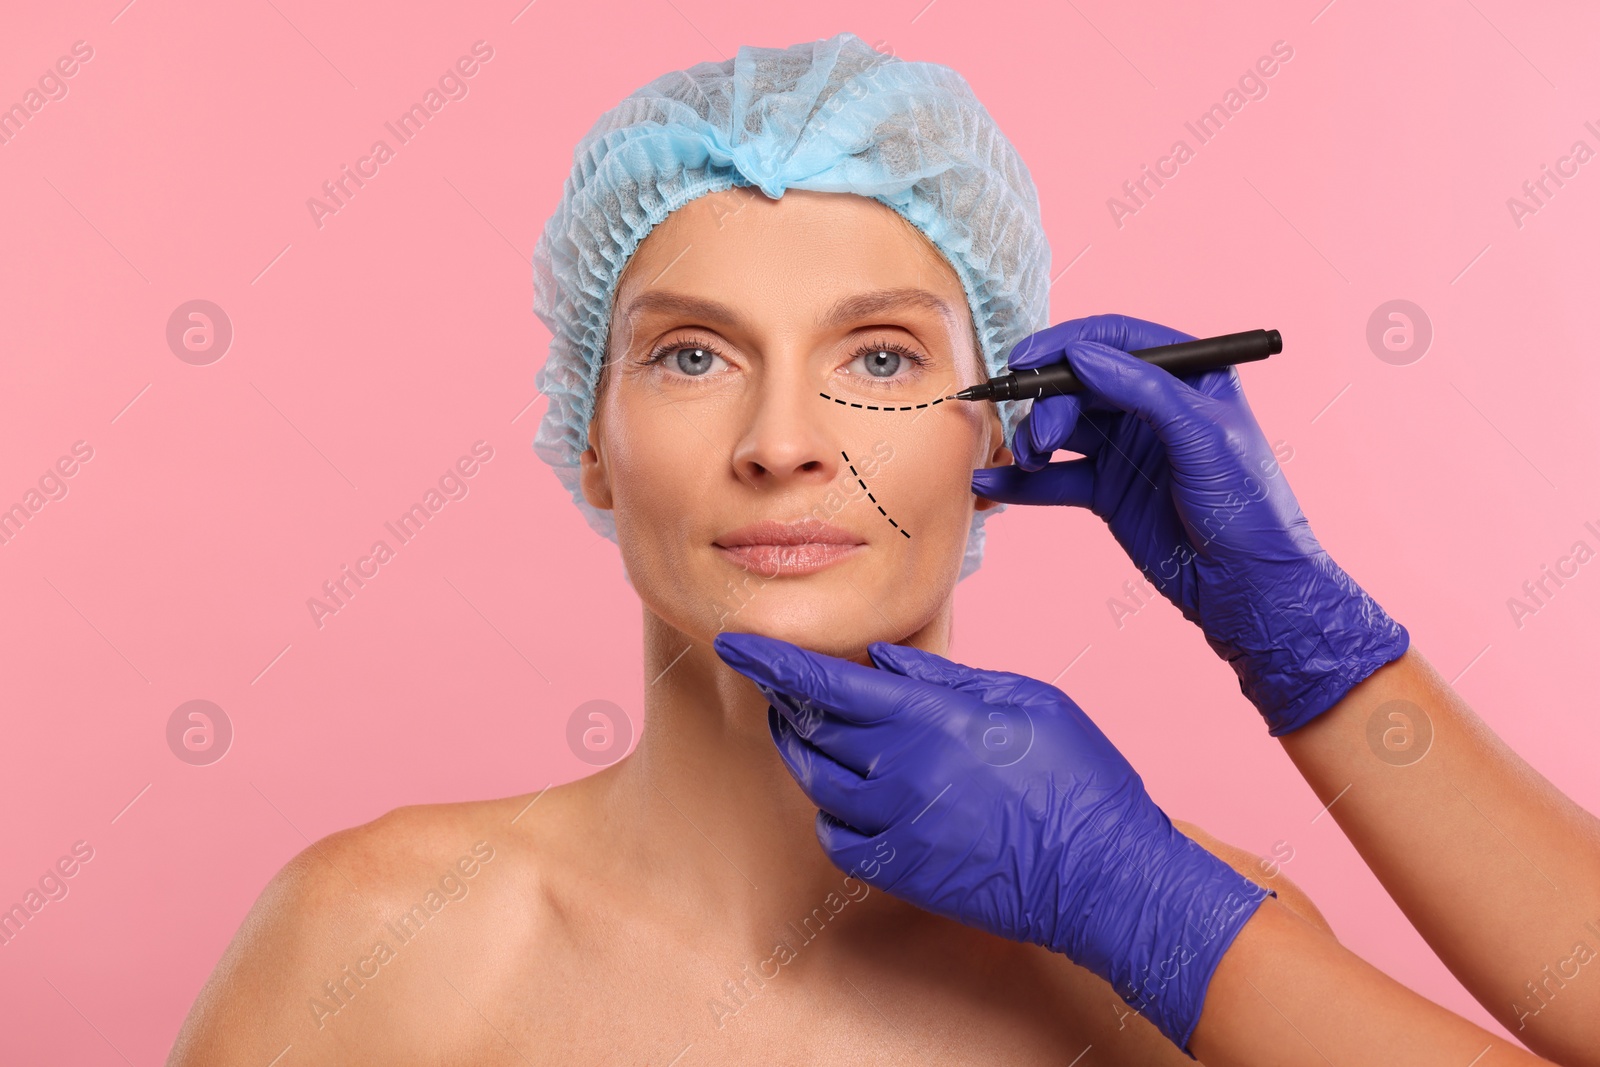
[883, 363]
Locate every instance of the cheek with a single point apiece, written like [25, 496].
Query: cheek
[661, 474]
[925, 470]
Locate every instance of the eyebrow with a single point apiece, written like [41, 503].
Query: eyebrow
[849, 309]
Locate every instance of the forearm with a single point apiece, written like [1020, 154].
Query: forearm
[1494, 866]
[1287, 995]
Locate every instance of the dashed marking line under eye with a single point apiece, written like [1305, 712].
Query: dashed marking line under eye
[875, 407]
[864, 488]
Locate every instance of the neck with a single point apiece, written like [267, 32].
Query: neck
[714, 808]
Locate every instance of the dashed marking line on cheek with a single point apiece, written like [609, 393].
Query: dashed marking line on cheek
[870, 497]
[875, 407]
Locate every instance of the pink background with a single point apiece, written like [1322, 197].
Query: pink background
[369, 354]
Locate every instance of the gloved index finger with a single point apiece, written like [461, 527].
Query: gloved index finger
[1119, 331]
[848, 690]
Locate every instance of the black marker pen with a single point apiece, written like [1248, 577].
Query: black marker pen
[1189, 357]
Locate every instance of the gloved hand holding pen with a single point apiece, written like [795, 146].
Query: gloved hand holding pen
[1004, 808]
[1180, 471]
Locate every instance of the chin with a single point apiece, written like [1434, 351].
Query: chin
[824, 616]
[801, 610]
[838, 610]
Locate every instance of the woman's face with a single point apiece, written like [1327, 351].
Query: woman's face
[729, 474]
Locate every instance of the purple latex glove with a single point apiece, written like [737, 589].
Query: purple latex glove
[1179, 470]
[993, 800]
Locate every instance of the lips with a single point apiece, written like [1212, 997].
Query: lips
[793, 548]
[788, 533]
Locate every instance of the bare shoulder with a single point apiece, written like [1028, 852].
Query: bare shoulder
[362, 924]
[1260, 870]
[1113, 1028]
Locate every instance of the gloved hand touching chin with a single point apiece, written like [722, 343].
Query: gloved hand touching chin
[1179, 470]
[993, 800]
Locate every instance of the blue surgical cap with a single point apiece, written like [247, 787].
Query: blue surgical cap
[830, 115]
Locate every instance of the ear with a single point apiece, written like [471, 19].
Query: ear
[594, 477]
[999, 455]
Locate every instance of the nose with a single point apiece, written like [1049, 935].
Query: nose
[785, 441]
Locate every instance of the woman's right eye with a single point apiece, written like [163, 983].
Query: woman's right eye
[693, 361]
[689, 360]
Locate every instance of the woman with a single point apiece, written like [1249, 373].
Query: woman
[762, 437]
